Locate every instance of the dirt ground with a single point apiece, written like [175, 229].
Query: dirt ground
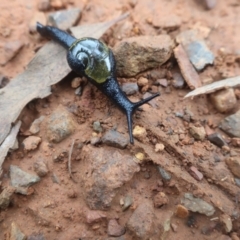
[67, 215]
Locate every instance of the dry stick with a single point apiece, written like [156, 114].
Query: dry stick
[69, 161]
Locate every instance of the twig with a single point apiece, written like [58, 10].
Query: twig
[69, 162]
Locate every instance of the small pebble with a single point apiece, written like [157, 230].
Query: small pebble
[198, 132]
[78, 91]
[115, 139]
[142, 81]
[181, 211]
[227, 222]
[127, 202]
[162, 82]
[224, 100]
[97, 127]
[159, 147]
[164, 174]
[174, 227]
[130, 88]
[35, 126]
[217, 139]
[31, 143]
[233, 164]
[140, 133]
[114, 229]
[76, 82]
[178, 81]
[40, 168]
[195, 173]
[140, 156]
[160, 199]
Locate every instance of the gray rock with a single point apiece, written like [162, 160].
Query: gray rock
[107, 170]
[10, 50]
[115, 139]
[35, 126]
[130, 88]
[21, 179]
[94, 216]
[16, 233]
[5, 197]
[199, 54]
[141, 221]
[210, 4]
[114, 229]
[38, 236]
[197, 205]
[60, 125]
[178, 81]
[97, 127]
[164, 174]
[64, 19]
[217, 139]
[40, 167]
[231, 125]
[137, 54]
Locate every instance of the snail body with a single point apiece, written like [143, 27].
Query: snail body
[94, 60]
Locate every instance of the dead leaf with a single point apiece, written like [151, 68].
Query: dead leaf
[48, 67]
[212, 87]
[8, 143]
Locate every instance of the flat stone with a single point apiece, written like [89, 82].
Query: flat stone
[114, 229]
[141, 221]
[198, 132]
[16, 233]
[181, 211]
[199, 54]
[160, 199]
[188, 72]
[60, 125]
[95, 216]
[167, 21]
[231, 125]
[233, 164]
[130, 88]
[35, 126]
[31, 143]
[195, 173]
[40, 167]
[6, 196]
[37, 17]
[224, 100]
[19, 178]
[115, 139]
[140, 133]
[137, 54]
[64, 19]
[197, 205]
[108, 169]
[217, 139]
[9, 51]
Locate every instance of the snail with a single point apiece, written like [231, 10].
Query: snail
[92, 58]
